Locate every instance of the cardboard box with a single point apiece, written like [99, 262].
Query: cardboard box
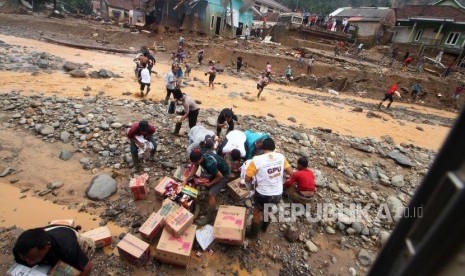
[22, 270]
[64, 269]
[176, 250]
[152, 227]
[101, 236]
[168, 207]
[229, 225]
[183, 171]
[133, 249]
[236, 190]
[179, 221]
[166, 187]
[66, 222]
[138, 186]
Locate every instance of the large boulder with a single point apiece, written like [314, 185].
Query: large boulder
[101, 187]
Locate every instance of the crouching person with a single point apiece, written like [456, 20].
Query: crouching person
[268, 170]
[218, 170]
[301, 185]
[48, 245]
[138, 130]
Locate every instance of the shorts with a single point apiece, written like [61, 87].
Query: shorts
[142, 85]
[260, 86]
[260, 200]
[212, 77]
[388, 97]
[215, 189]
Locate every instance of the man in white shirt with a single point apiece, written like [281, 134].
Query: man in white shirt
[232, 149]
[262, 82]
[268, 171]
[170, 82]
[144, 80]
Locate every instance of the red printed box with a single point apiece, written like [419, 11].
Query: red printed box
[229, 225]
[138, 186]
[101, 236]
[176, 250]
[133, 249]
[179, 221]
[166, 187]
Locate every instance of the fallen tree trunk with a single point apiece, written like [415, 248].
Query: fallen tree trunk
[82, 46]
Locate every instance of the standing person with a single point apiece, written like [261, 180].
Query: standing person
[247, 32]
[301, 185]
[188, 69]
[416, 89]
[300, 61]
[48, 245]
[407, 61]
[262, 82]
[140, 59]
[268, 70]
[144, 80]
[181, 41]
[191, 110]
[268, 170]
[310, 62]
[170, 82]
[439, 56]
[394, 54]
[459, 90]
[239, 64]
[228, 117]
[336, 49]
[142, 128]
[200, 56]
[447, 70]
[151, 61]
[389, 94]
[218, 172]
[420, 64]
[288, 73]
[212, 74]
[407, 54]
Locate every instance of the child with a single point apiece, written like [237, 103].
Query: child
[188, 69]
[144, 80]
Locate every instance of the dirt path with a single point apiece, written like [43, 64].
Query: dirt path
[276, 101]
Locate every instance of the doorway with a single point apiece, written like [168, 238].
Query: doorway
[239, 29]
[218, 25]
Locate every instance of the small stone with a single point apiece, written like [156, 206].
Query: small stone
[55, 185]
[292, 119]
[101, 187]
[357, 109]
[365, 257]
[420, 128]
[330, 230]
[46, 130]
[398, 181]
[292, 234]
[311, 246]
[65, 155]
[352, 271]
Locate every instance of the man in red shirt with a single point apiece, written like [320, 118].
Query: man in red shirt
[142, 128]
[389, 94]
[305, 180]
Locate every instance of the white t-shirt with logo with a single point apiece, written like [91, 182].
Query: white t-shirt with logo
[268, 170]
[145, 76]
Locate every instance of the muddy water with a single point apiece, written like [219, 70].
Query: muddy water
[31, 212]
[275, 99]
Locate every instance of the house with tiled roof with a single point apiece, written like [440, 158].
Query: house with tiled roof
[118, 9]
[441, 25]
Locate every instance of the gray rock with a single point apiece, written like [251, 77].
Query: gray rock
[357, 226]
[352, 271]
[311, 246]
[292, 234]
[334, 187]
[55, 185]
[346, 189]
[357, 109]
[371, 114]
[78, 73]
[84, 161]
[362, 147]
[398, 181]
[292, 119]
[70, 66]
[365, 257]
[5, 171]
[64, 136]
[384, 236]
[330, 230]
[211, 121]
[351, 231]
[65, 155]
[396, 208]
[16, 116]
[101, 187]
[104, 126]
[331, 162]
[82, 121]
[116, 125]
[401, 159]
[43, 64]
[320, 180]
[46, 130]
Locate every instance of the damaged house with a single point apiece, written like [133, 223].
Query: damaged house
[118, 9]
[212, 17]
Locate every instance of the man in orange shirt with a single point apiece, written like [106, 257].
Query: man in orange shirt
[389, 94]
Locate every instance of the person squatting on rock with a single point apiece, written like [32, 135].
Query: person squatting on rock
[144, 80]
[48, 245]
[146, 130]
[268, 170]
[389, 94]
[226, 117]
[232, 149]
[191, 110]
[262, 82]
[197, 136]
[218, 174]
[300, 187]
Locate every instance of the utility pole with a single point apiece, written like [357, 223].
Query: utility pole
[232, 21]
[297, 5]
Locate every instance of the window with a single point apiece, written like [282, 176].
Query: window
[452, 38]
[419, 34]
[270, 10]
[211, 22]
[224, 23]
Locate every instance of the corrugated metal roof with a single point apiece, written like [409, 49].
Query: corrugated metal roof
[364, 12]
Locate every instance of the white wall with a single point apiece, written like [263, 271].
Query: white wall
[402, 35]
